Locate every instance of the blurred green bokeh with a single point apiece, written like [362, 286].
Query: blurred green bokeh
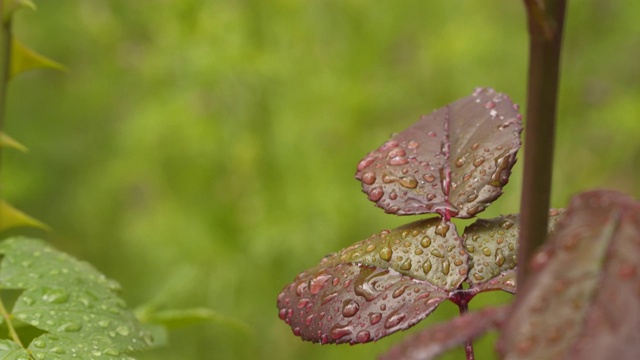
[202, 152]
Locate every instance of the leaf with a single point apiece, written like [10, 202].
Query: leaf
[355, 303]
[75, 304]
[11, 217]
[9, 142]
[24, 59]
[582, 300]
[9, 350]
[493, 246]
[378, 286]
[433, 341]
[11, 6]
[454, 161]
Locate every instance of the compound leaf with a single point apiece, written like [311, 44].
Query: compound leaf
[378, 286]
[493, 246]
[71, 301]
[454, 161]
[582, 300]
[433, 341]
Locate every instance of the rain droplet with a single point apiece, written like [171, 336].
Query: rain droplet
[39, 344]
[399, 160]
[317, 283]
[478, 161]
[500, 259]
[369, 178]
[55, 296]
[374, 318]
[425, 241]
[486, 251]
[364, 163]
[363, 336]
[431, 134]
[459, 162]
[396, 152]
[70, 326]
[370, 248]
[123, 330]
[350, 308]
[472, 197]
[409, 182]
[475, 146]
[385, 253]
[431, 196]
[445, 267]
[376, 193]
[413, 144]
[394, 320]
[398, 292]
[442, 229]
[428, 177]
[302, 303]
[457, 262]
[339, 331]
[426, 267]
[393, 195]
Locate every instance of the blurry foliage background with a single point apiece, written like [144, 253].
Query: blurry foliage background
[202, 152]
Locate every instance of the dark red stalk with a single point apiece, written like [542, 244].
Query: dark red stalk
[545, 23]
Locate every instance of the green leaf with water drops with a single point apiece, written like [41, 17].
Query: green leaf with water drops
[75, 304]
[9, 350]
[582, 299]
[493, 246]
[9, 142]
[10, 217]
[24, 59]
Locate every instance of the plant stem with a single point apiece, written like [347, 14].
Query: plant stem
[468, 345]
[5, 58]
[7, 320]
[545, 23]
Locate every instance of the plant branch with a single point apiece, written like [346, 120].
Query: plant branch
[5, 62]
[545, 23]
[7, 320]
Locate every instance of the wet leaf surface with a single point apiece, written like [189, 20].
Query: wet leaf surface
[493, 246]
[583, 298]
[378, 286]
[437, 339]
[454, 161]
[75, 304]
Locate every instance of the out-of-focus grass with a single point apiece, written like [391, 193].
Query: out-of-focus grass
[202, 152]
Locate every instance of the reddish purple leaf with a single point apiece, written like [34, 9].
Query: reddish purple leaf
[583, 298]
[454, 161]
[493, 246]
[355, 303]
[437, 339]
[378, 286]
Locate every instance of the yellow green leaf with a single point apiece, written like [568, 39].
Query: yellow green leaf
[9, 142]
[11, 217]
[11, 6]
[24, 59]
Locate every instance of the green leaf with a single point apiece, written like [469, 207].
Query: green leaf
[11, 217]
[493, 246]
[24, 59]
[11, 6]
[9, 350]
[69, 299]
[9, 142]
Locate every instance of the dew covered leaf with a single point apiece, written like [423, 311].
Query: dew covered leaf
[378, 286]
[582, 300]
[9, 350]
[354, 303]
[454, 161]
[493, 246]
[75, 304]
[435, 340]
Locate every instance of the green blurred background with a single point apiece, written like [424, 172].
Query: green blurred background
[202, 152]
